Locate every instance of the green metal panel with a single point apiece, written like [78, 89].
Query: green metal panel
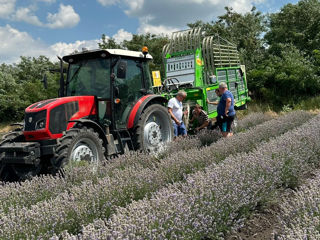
[213, 56]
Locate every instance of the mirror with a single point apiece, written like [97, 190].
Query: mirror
[116, 92]
[45, 81]
[122, 69]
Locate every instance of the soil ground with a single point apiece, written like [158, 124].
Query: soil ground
[261, 226]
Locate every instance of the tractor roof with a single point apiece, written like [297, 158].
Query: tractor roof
[108, 52]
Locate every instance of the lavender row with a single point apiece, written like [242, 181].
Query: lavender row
[252, 120]
[300, 213]
[213, 201]
[82, 204]
[46, 187]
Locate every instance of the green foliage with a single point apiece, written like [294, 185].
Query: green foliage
[296, 24]
[20, 86]
[154, 43]
[284, 79]
[108, 43]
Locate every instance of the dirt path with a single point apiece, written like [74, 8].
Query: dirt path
[261, 226]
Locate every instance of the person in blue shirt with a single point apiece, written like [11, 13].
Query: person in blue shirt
[226, 110]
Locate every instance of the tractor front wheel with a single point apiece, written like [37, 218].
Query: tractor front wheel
[79, 146]
[154, 129]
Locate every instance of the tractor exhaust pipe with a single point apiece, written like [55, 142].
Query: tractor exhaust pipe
[61, 89]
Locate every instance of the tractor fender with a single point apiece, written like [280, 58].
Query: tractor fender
[92, 124]
[142, 104]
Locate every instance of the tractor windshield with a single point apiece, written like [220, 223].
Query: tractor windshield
[89, 77]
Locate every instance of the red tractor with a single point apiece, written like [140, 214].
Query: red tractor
[105, 107]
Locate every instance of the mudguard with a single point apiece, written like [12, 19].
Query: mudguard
[140, 105]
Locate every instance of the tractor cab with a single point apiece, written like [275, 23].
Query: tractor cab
[118, 78]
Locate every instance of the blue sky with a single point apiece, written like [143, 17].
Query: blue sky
[58, 27]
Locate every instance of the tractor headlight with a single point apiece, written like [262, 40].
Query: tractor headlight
[41, 124]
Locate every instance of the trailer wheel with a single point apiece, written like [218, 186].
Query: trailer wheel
[79, 146]
[154, 129]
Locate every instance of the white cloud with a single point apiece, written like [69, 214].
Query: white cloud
[47, 1]
[15, 44]
[108, 2]
[166, 15]
[62, 48]
[159, 30]
[7, 8]
[66, 17]
[122, 35]
[27, 15]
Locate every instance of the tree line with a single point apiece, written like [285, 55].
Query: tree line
[281, 52]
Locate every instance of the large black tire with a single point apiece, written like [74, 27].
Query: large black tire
[78, 145]
[16, 172]
[154, 129]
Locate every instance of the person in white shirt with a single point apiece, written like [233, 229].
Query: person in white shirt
[175, 109]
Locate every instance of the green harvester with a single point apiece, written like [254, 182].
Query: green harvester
[197, 63]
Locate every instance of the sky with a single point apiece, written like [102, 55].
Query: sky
[59, 27]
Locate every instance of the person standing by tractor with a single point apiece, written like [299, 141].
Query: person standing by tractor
[226, 110]
[175, 110]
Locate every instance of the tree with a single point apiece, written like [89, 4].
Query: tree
[20, 85]
[296, 24]
[154, 43]
[286, 78]
[108, 43]
[244, 30]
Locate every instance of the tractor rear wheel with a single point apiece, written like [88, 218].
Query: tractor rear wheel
[16, 172]
[79, 146]
[154, 129]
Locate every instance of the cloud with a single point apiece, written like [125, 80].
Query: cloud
[108, 2]
[166, 15]
[62, 49]
[66, 17]
[160, 29]
[47, 1]
[15, 43]
[27, 15]
[7, 8]
[122, 35]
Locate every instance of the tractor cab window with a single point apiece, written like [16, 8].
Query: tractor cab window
[89, 77]
[127, 89]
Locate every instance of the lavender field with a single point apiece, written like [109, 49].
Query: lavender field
[199, 188]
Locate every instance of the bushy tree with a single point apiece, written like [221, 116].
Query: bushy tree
[297, 24]
[286, 78]
[20, 86]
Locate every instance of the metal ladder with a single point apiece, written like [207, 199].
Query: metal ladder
[216, 51]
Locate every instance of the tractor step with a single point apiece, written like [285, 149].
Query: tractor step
[20, 153]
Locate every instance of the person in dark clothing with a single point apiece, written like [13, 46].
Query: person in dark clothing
[200, 117]
[226, 110]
